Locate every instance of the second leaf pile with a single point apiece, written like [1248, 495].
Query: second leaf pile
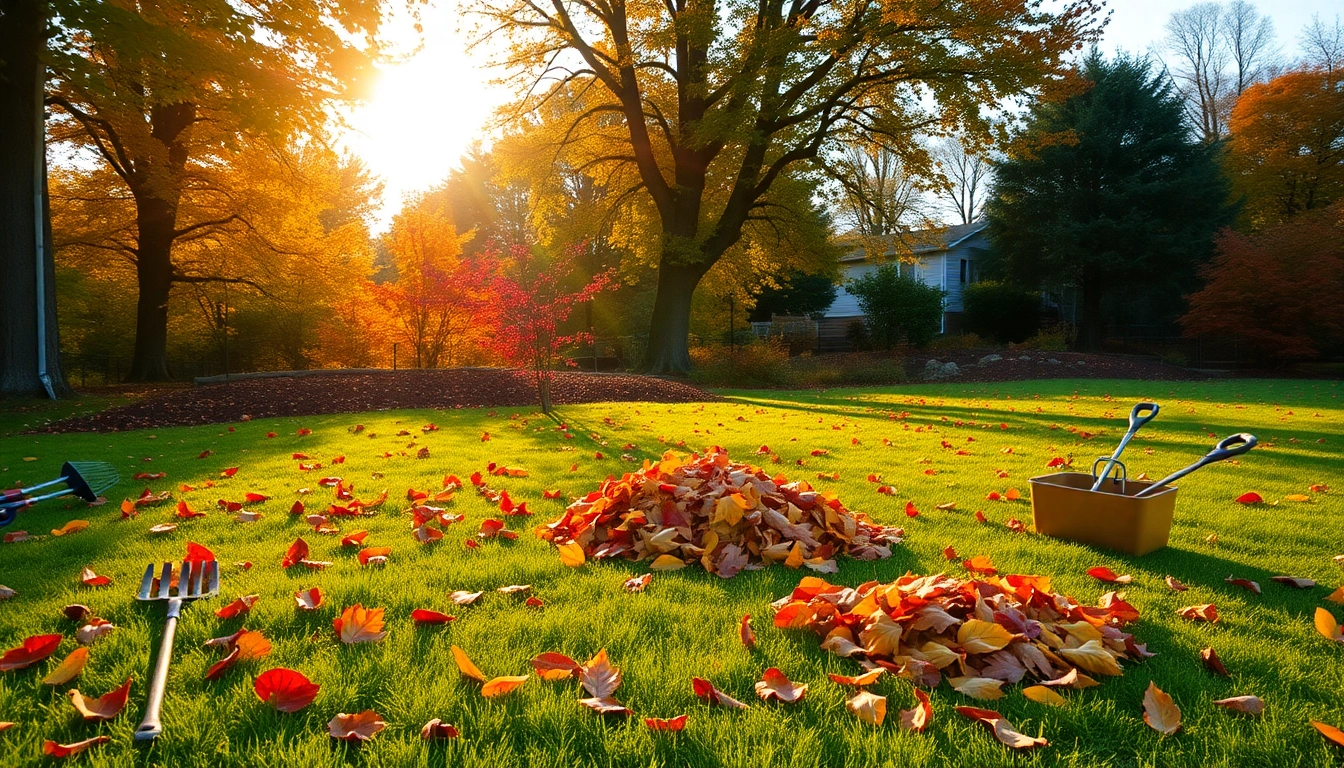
[725, 514]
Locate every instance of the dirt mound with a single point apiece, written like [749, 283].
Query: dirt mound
[335, 392]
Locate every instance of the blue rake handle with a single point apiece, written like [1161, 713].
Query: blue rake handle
[1137, 418]
[1234, 445]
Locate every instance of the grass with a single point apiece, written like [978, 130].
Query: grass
[686, 622]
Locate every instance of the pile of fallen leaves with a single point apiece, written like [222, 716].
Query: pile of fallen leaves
[723, 513]
[979, 633]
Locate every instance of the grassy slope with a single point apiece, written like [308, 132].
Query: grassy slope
[685, 624]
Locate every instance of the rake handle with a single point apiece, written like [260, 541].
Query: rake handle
[150, 728]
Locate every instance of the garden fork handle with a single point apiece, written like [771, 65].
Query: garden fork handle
[150, 728]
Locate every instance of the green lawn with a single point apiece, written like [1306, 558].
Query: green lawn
[685, 624]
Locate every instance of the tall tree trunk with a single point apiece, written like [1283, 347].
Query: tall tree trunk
[22, 41]
[155, 219]
[668, 351]
[1090, 332]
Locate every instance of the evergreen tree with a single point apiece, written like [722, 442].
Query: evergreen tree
[1107, 191]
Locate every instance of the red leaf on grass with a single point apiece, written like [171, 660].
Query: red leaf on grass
[33, 650]
[744, 631]
[230, 472]
[197, 553]
[92, 579]
[354, 539]
[1246, 584]
[358, 727]
[677, 723]
[774, 684]
[241, 605]
[1102, 573]
[1250, 497]
[368, 553]
[298, 551]
[184, 510]
[308, 599]
[105, 707]
[437, 729]
[222, 666]
[426, 616]
[285, 689]
[910, 510]
[53, 749]
[706, 690]
[1206, 612]
[555, 666]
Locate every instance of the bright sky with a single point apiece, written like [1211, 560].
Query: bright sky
[428, 109]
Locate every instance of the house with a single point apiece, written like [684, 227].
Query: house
[947, 259]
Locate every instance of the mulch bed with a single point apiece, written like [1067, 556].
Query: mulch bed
[1029, 364]
[311, 395]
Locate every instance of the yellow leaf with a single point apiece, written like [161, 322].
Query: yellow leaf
[1042, 695]
[71, 527]
[667, 563]
[464, 664]
[501, 685]
[977, 687]
[728, 510]
[69, 669]
[868, 707]
[1093, 657]
[1327, 626]
[938, 655]
[882, 636]
[1337, 596]
[1299, 497]
[976, 636]
[1160, 712]
[795, 558]
[571, 554]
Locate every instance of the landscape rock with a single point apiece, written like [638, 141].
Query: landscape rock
[990, 359]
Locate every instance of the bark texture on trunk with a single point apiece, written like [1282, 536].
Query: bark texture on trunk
[22, 41]
[668, 351]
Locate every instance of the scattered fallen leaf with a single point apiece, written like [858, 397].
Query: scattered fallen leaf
[677, 723]
[34, 649]
[917, 718]
[1211, 660]
[358, 624]
[437, 729]
[1251, 705]
[775, 685]
[1043, 695]
[358, 727]
[53, 749]
[1102, 573]
[706, 690]
[105, 707]
[1003, 730]
[1160, 712]
[868, 707]
[69, 669]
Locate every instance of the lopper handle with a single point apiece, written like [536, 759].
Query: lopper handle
[150, 728]
[1140, 414]
[1233, 445]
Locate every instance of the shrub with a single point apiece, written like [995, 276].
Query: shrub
[1053, 340]
[758, 364]
[1001, 312]
[959, 341]
[898, 307]
[846, 370]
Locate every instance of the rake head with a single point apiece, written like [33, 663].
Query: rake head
[88, 479]
[194, 579]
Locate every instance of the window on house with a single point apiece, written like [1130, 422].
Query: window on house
[965, 270]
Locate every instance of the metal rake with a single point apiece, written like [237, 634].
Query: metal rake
[196, 579]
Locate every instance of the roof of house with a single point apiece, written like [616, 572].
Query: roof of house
[924, 241]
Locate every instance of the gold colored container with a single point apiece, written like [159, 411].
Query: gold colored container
[1064, 506]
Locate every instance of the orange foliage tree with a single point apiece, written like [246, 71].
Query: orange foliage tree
[1277, 290]
[430, 305]
[1286, 154]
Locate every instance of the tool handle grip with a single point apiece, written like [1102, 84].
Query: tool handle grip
[150, 728]
[1233, 445]
[1141, 414]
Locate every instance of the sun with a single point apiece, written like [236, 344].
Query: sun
[425, 111]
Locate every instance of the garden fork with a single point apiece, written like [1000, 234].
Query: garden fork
[196, 579]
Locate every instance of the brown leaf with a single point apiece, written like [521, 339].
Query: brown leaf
[1251, 705]
[1211, 660]
[358, 727]
[868, 707]
[1160, 712]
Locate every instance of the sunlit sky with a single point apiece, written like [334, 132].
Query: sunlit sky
[428, 107]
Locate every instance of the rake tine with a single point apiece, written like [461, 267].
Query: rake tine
[213, 570]
[197, 579]
[184, 579]
[166, 581]
[147, 583]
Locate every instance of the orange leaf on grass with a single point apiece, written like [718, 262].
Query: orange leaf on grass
[466, 666]
[677, 723]
[1211, 660]
[308, 599]
[571, 554]
[868, 707]
[744, 632]
[638, 583]
[105, 707]
[1159, 711]
[1102, 573]
[502, 685]
[980, 564]
[241, 605]
[774, 684]
[69, 669]
[355, 539]
[285, 689]
[437, 729]
[1003, 730]
[358, 727]
[706, 690]
[917, 718]
[950, 553]
[1327, 626]
[298, 552]
[555, 666]
[1206, 612]
[1330, 732]
[371, 552]
[867, 678]
[71, 526]
[33, 650]
[426, 616]
[252, 497]
[185, 510]
[358, 624]
[53, 749]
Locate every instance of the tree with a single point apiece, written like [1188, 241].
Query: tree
[25, 242]
[530, 300]
[162, 92]
[965, 176]
[1277, 290]
[1324, 45]
[700, 107]
[432, 301]
[1207, 40]
[1002, 312]
[897, 307]
[874, 193]
[1286, 153]
[1108, 191]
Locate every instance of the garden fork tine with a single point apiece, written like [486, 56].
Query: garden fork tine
[194, 580]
